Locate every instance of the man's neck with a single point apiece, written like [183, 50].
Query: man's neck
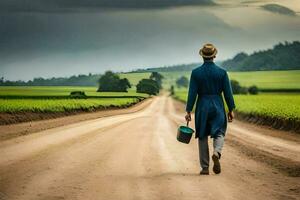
[208, 61]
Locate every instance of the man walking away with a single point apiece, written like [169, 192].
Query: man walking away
[208, 82]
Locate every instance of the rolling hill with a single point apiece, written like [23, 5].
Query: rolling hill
[283, 56]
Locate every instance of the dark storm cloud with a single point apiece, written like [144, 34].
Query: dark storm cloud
[77, 5]
[35, 33]
[52, 44]
[276, 8]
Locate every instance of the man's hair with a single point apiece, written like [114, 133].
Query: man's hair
[208, 59]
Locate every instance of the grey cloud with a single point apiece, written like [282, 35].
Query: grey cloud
[81, 5]
[60, 43]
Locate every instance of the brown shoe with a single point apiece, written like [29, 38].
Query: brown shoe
[217, 165]
[204, 171]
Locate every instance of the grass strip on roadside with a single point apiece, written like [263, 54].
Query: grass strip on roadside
[63, 105]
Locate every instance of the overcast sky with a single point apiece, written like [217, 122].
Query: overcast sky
[65, 37]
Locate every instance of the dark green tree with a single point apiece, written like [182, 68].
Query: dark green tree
[111, 82]
[147, 86]
[124, 84]
[157, 77]
[182, 82]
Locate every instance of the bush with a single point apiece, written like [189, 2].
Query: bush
[172, 92]
[182, 82]
[158, 78]
[111, 82]
[78, 94]
[253, 89]
[148, 86]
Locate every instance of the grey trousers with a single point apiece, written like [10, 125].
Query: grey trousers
[218, 143]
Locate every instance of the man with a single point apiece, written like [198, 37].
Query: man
[208, 82]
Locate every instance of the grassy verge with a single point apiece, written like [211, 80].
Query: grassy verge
[275, 110]
[63, 105]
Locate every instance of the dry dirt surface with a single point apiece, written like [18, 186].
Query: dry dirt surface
[136, 156]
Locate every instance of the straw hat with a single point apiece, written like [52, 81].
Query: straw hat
[208, 51]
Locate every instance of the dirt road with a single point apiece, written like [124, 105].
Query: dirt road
[136, 156]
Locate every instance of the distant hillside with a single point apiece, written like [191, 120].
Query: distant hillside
[183, 67]
[281, 57]
[80, 80]
[173, 68]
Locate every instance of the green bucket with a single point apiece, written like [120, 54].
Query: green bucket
[185, 133]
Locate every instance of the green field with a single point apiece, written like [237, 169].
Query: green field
[60, 91]
[262, 79]
[62, 105]
[55, 98]
[134, 78]
[269, 79]
[281, 106]
[275, 106]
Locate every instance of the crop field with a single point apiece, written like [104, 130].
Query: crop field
[279, 106]
[262, 79]
[51, 99]
[61, 105]
[44, 99]
[274, 106]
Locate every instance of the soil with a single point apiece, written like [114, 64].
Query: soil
[279, 124]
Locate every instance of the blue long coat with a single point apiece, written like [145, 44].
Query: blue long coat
[208, 82]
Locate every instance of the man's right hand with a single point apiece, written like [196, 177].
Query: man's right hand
[188, 117]
[230, 116]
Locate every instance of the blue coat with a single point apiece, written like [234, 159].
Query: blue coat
[208, 82]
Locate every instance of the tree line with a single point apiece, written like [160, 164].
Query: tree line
[283, 56]
[80, 80]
